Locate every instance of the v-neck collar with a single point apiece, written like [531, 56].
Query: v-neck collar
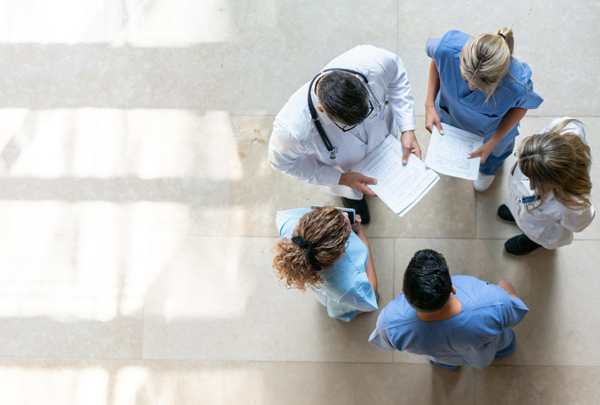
[466, 95]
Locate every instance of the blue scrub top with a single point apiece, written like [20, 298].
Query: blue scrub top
[346, 290]
[473, 337]
[467, 110]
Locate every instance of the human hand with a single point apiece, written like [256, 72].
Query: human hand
[356, 227]
[483, 151]
[358, 182]
[433, 118]
[508, 287]
[409, 145]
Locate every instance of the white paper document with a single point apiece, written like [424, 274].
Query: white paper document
[399, 186]
[447, 154]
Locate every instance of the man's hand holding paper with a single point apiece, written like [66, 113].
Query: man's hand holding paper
[358, 182]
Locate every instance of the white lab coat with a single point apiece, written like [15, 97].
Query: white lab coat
[296, 148]
[552, 225]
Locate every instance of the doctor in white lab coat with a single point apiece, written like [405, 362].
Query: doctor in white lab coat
[552, 224]
[296, 147]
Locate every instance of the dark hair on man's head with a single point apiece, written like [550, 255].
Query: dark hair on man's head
[427, 283]
[344, 98]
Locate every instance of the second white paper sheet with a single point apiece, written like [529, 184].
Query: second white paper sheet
[447, 154]
[399, 186]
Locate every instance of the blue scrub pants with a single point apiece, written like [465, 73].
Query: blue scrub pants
[496, 159]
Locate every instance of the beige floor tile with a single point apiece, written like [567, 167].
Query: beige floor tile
[42, 75]
[322, 383]
[257, 191]
[97, 382]
[488, 223]
[553, 284]
[218, 298]
[563, 82]
[70, 296]
[538, 385]
[447, 211]
[153, 169]
[273, 49]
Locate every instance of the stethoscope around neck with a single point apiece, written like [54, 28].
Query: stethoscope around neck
[332, 150]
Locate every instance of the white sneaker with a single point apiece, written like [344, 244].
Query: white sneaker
[483, 182]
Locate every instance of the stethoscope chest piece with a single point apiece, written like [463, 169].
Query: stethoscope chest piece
[333, 152]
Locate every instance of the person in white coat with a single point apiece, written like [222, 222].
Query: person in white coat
[549, 188]
[334, 121]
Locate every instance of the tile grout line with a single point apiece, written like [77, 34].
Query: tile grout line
[222, 383]
[475, 386]
[423, 115]
[378, 237]
[224, 361]
[143, 328]
[393, 284]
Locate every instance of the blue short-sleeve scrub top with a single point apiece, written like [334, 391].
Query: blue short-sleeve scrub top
[467, 110]
[346, 290]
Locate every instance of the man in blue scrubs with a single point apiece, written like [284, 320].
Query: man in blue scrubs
[452, 321]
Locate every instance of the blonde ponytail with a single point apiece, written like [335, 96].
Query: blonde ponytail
[507, 35]
[485, 59]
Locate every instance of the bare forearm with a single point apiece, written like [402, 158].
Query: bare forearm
[433, 86]
[371, 275]
[508, 287]
[510, 119]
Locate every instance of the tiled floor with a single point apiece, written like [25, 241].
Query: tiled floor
[137, 207]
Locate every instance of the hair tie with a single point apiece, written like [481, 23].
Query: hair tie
[502, 35]
[304, 244]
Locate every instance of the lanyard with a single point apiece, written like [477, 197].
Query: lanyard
[527, 199]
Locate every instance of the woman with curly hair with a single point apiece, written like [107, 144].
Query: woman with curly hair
[549, 188]
[321, 250]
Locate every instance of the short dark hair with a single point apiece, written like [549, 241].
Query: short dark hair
[344, 98]
[427, 282]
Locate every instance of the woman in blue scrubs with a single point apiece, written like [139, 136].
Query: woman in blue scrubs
[321, 250]
[476, 85]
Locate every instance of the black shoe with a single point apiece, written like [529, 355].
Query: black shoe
[361, 208]
[520, 245]
[505, 214]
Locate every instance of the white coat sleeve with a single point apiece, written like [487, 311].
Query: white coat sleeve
[289, 156]
[577, 221]
[400, 96]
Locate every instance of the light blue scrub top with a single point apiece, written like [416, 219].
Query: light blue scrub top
[467, 110]
[473, 337]
[346, 290]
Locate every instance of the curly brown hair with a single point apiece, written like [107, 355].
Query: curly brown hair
[328, 230]
[558, 161]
